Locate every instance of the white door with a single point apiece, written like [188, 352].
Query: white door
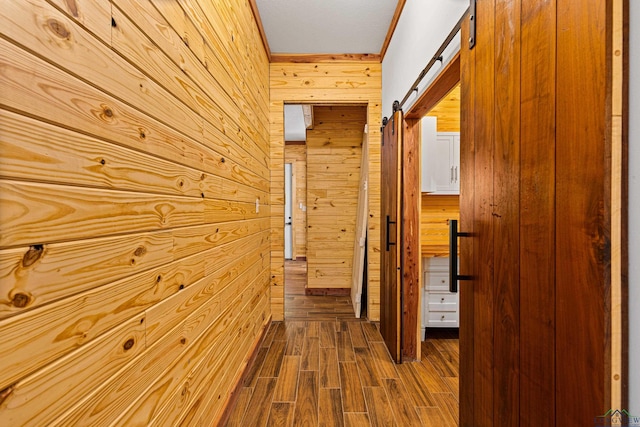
[288, 213]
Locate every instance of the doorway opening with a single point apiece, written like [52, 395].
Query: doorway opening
[324, 240]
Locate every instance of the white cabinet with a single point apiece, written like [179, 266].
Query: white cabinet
[439, 306]
[440, 159]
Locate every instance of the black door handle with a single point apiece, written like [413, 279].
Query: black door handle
[453, 256]
[389, 242]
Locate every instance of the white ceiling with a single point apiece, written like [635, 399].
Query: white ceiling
[326, 26]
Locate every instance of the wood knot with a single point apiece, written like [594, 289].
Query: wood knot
[142, 135]
[5, 393]
[128, 344]
[181, 183]
[158, 279]
[183, 341]
[73, 7]
[222, 159]
[203, 177]
[103, 162]
[21, 300]
[181, 287]
[107, 112]
[32, 255]
[141, 250]
[58, 28]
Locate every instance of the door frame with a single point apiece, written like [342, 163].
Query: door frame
[311, 96]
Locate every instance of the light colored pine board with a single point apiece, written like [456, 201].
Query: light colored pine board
[42, 397]
[45, 213]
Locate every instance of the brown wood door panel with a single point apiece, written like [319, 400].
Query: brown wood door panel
[535, 191]
[390, 282]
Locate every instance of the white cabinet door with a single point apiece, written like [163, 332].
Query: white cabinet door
[440, 159]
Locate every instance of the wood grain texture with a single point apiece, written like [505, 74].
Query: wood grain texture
[333, 87]
[447, 112]
[338, 130]
[133, 154]
[582, 227]
[537, 201]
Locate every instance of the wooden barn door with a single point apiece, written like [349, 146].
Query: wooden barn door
[390, 274]
[535, 338]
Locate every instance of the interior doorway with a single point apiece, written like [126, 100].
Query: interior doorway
[324, 237]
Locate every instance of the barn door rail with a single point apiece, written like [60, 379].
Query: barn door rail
[437, 57]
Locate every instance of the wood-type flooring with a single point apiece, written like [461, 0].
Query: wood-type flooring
[324, 367]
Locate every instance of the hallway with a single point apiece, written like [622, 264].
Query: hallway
[324, 367]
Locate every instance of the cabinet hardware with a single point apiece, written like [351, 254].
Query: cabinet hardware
[451, 178]
[456, 174]
[453, 255]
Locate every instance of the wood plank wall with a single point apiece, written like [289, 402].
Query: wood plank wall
[297, 155]
[448, 112]
[134, 277]
[347, 82]
[334, 151]
[436, 211]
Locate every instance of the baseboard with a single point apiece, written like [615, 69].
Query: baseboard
[233, 396]
[333, 292]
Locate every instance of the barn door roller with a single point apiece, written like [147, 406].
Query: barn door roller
[472, 24]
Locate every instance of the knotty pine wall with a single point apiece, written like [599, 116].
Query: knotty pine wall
[297, 155]
[333, 82]
[436, 211]
[134, 277]
[334, 152]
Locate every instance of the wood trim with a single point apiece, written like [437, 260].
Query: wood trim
[295, 143]
[263, 35]
[235, 391]
[307, 58]
[618, 56]
[301, 258]
[392, 28]
[442, 85]
[411, 250]
[333, 292]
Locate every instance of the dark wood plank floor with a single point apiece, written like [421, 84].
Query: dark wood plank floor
[324, 367]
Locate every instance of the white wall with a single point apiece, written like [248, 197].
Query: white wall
[423, 26]
[634, 208]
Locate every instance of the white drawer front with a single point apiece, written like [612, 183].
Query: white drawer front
[442, 301]
[437, 282]
[443, 319]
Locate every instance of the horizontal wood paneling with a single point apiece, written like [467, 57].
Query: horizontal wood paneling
[134, 259]
[328, 81]
[435, 214]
